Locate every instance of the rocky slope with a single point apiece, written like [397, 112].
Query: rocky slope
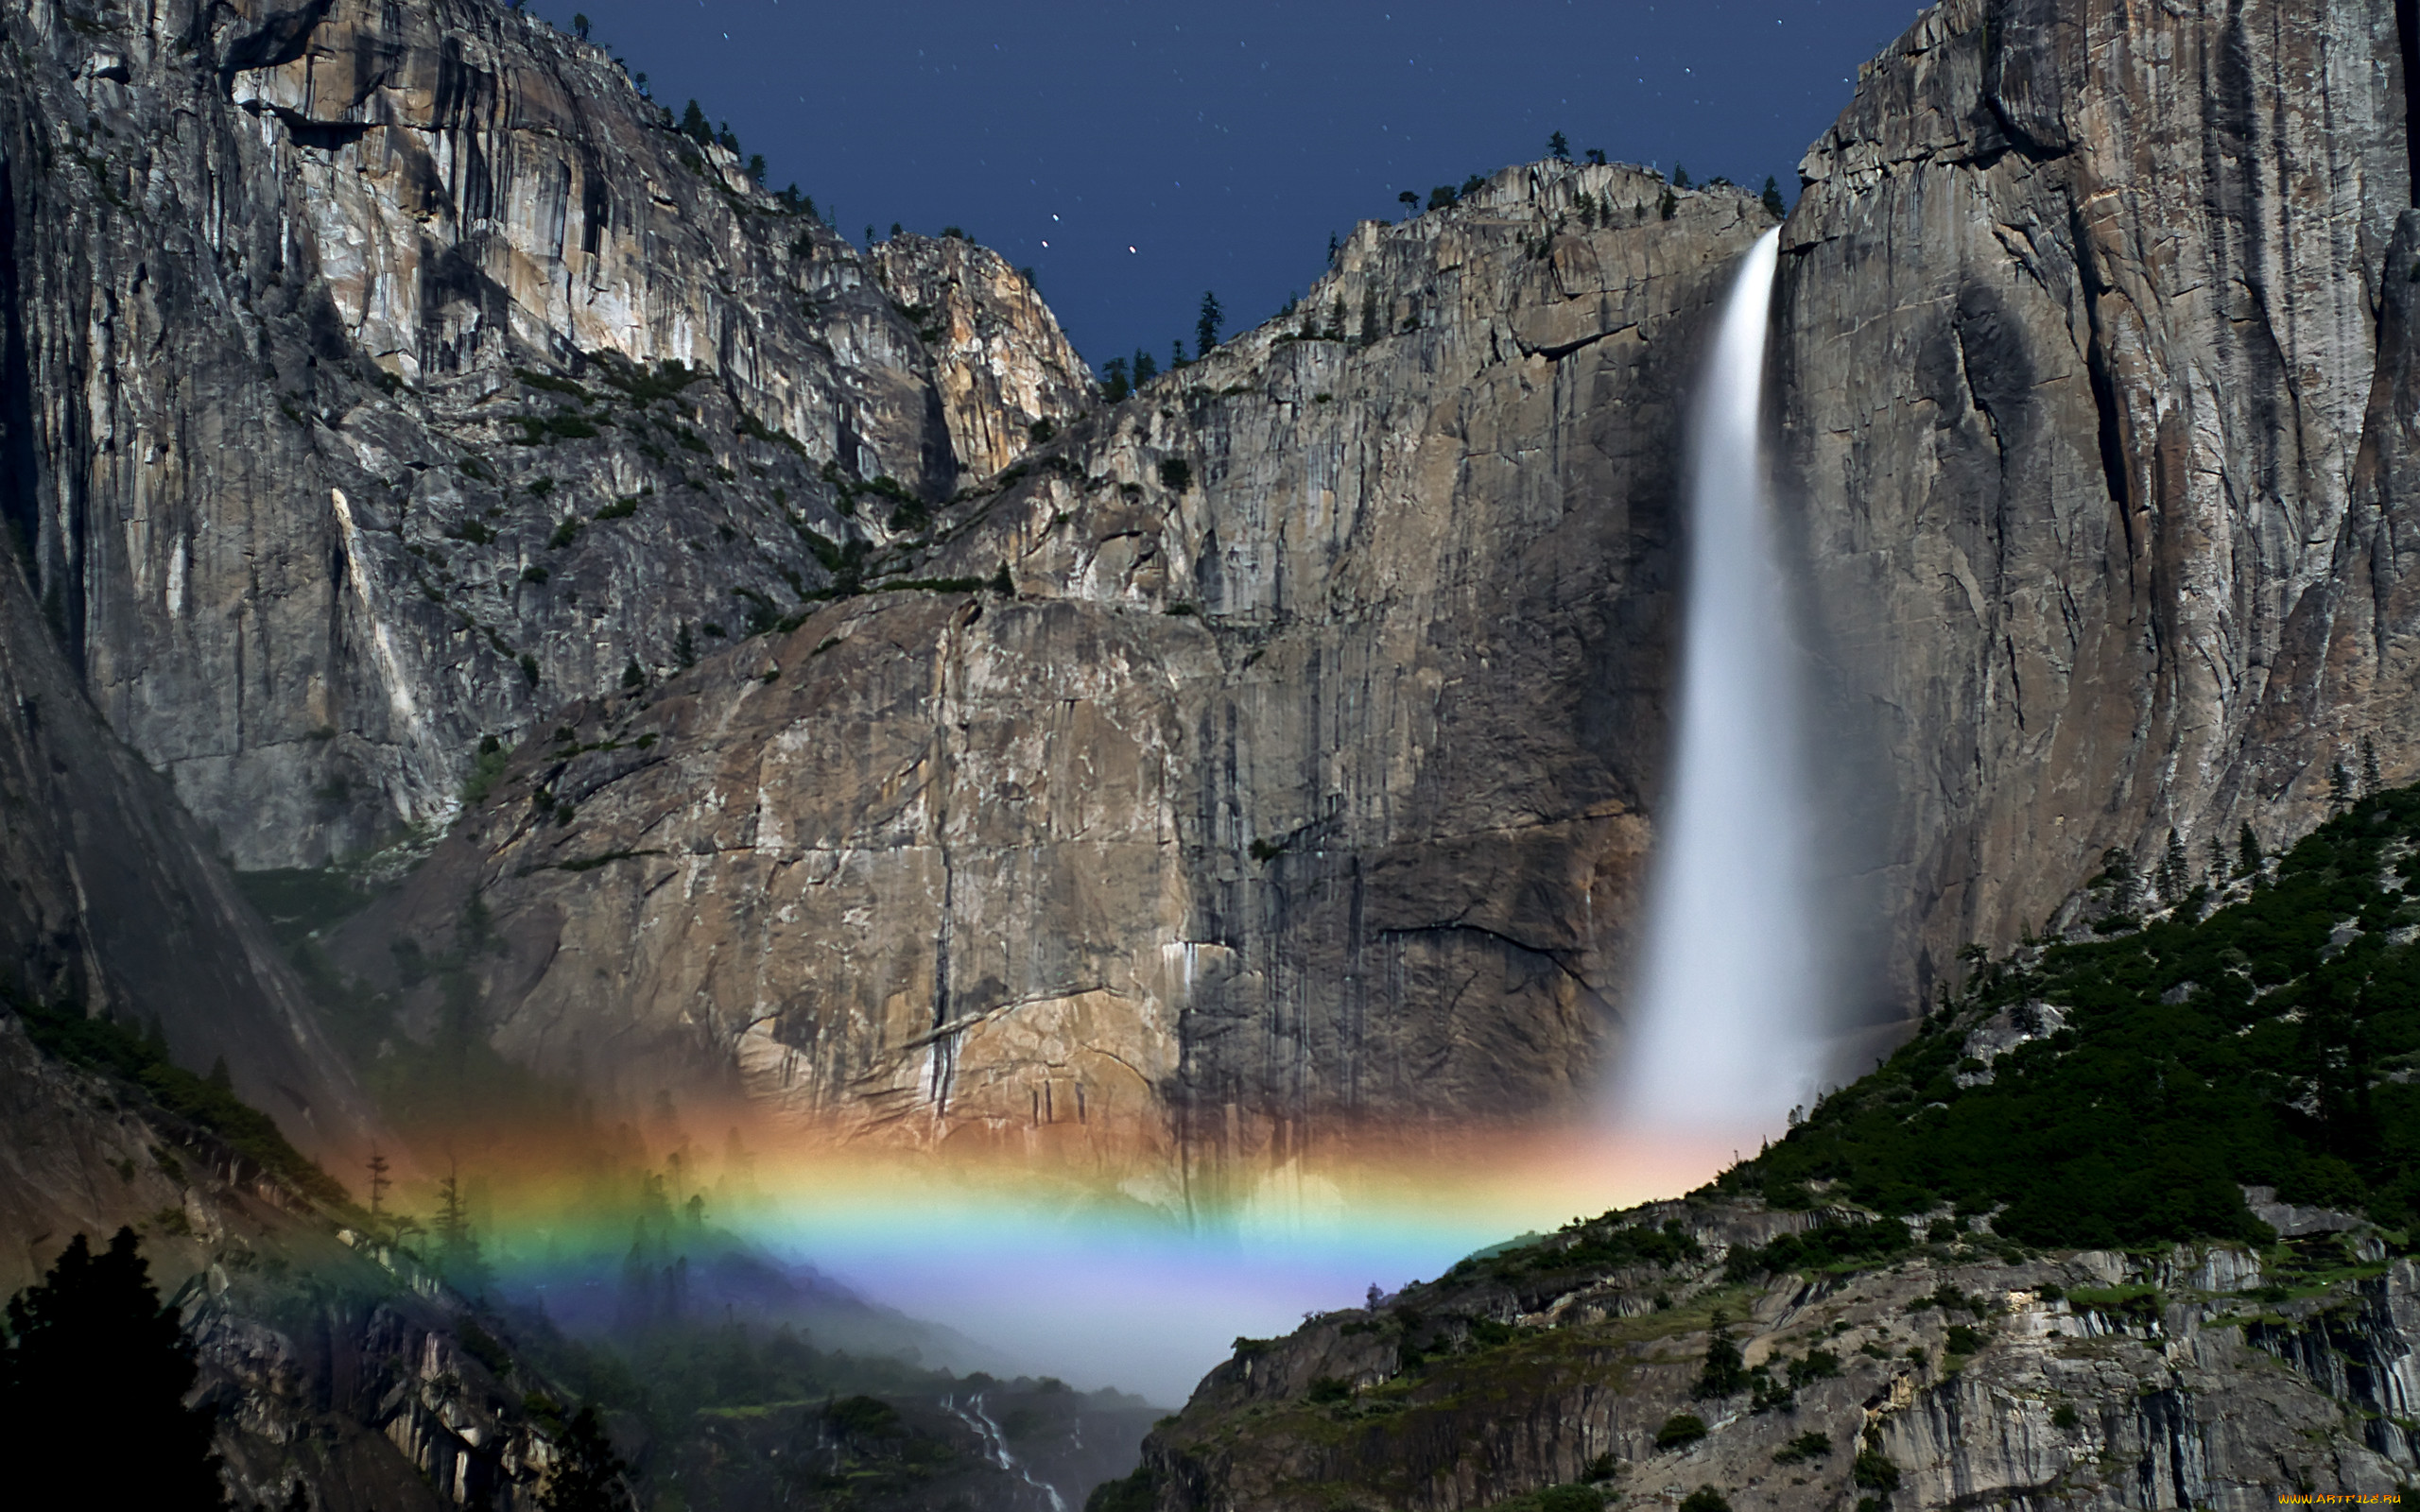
[1953, 1378]
[330, 1360]
[271, 279]
[2094, 355]
[1270, 751]
[2128, 1223]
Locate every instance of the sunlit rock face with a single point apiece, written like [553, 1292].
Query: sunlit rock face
[2095, 363]
[999, 359]
[270, 274]
[1296, 784]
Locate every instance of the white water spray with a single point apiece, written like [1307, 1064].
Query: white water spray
[1726, 1017]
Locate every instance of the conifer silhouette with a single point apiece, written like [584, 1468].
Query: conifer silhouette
[94, 1373]
[588, 1475]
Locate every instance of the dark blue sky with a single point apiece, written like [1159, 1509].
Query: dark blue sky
[1224, 142]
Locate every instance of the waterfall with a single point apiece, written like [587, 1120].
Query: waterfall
[1724, 1031]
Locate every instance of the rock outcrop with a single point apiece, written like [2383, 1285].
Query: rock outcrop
[273, 280]
[2094, 368]
[1296, 780]
[2087, 1378]
[1002, 365]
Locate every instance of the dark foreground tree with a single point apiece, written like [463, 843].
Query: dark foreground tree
[588, 1475]
[1206, 329]
[93, 1374]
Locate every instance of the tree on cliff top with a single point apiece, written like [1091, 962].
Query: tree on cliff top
[1205, 328]
[94, 1373]
[1559, 147]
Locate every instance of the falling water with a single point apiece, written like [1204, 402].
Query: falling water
[1724, 1020]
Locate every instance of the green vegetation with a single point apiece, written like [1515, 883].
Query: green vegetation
[1135, 1493]
[2260, 1045]
[1705, 1499]
[63, 1031]
[1176, 473]
[1679, 1429]
[487, 767]
[1812, 1444]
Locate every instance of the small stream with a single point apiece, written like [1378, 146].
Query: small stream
[997, 1445]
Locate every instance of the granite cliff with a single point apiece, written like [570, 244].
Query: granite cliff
[1267, 753]
[885, 732]
[378, 376]
[2131, 553]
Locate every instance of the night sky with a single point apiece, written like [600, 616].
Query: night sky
[1133, 155]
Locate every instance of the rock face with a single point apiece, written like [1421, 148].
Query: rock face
[999, 359]
[382, 378]
[2164, 1385]
[113, 903]
[2095, 366]
[268, 277]
[1297, 781]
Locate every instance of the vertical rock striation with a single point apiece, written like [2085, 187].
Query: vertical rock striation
[292, 298]
[1298, 783]
[2091, 329]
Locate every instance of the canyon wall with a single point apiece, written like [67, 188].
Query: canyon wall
[903, 740]
[2094, 374]
[269, 276]
[1263, 757]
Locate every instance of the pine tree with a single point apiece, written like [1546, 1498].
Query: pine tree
[2339, 787]
[1410, 200]
[2369, 766]
[632, 675]
[1176, 352]
[458, 1258]
[1205, 326]
[694, 127]
[684, 648]
[2117, 872]
[1771, 198]
[1595, 157]
[1681, 177]
[379, 1181]
[2175, 869]
[1114, 385]
[1335, 320]
[1370, 332]
[93, 1374]
[579, 25]
[587, 1475]
[1668, 205]
[1559, 147]
[1145, 368]
[2247, 852]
